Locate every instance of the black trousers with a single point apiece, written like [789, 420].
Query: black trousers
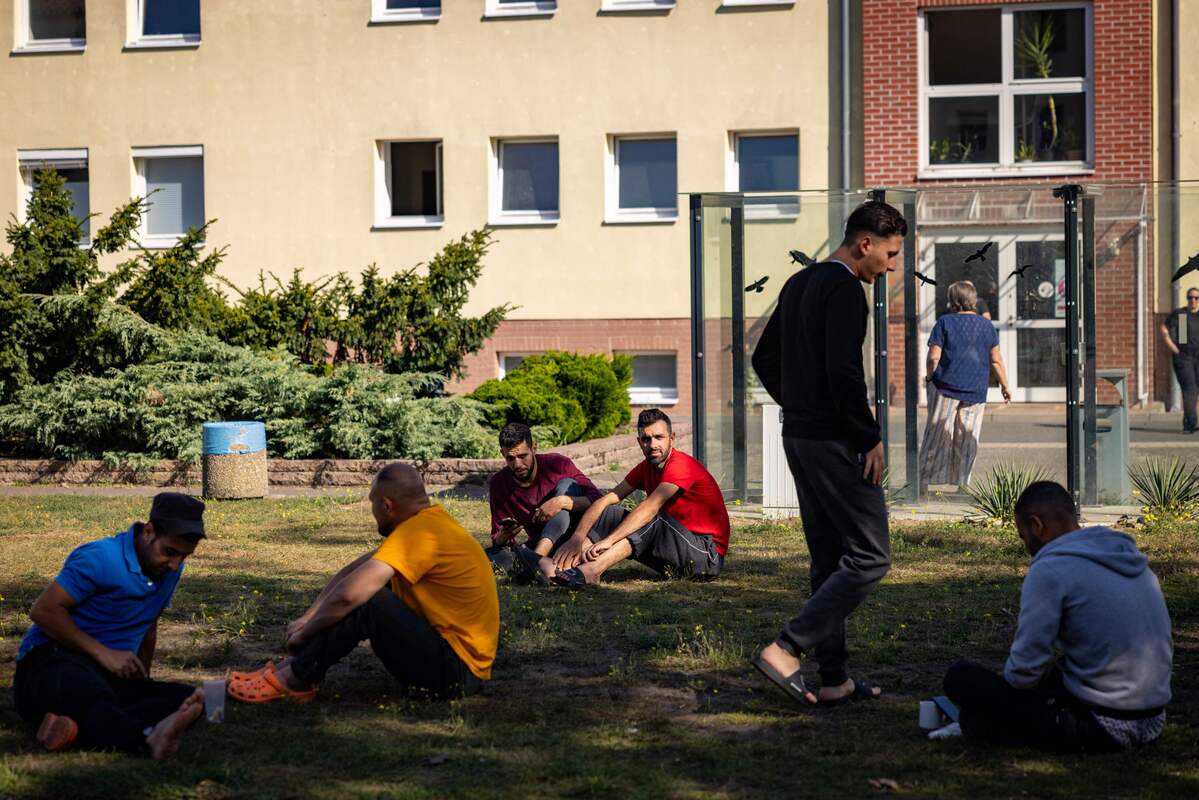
[111, 712]
[845, 525]
[410, 649]
[557, 529]
[1186, 368]
[1046, 718]
[665, 545]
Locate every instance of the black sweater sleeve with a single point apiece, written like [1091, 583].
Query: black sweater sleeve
[768, 357]
[845, 333]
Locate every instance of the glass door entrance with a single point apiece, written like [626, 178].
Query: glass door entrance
[1020, 280]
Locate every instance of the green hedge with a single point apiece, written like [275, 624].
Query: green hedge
[574, 397]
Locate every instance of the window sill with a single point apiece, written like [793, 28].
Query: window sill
[772, 211]
[161, 241]
[1039, 170]
[534, 8]
[517, 218]
[404, 223]
[750, 3]
[56, 46]
[642, 216]
[182, 42]
[637, 5]
[431, 14]
[655, 397]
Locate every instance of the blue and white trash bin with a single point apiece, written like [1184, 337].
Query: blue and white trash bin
[234, 460]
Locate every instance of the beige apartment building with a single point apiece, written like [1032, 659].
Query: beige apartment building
[332, 135]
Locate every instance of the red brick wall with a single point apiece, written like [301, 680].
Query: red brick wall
[587, 336]
[1123, 147]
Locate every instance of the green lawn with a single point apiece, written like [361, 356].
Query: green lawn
[636, 689]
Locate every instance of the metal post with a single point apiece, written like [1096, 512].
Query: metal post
[911, 364]
[698, 436]
[1069, 195]
[737, 343]
[880, 348]
[1090, 484]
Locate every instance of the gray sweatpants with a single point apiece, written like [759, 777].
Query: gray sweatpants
[665, 545]
[845, 524]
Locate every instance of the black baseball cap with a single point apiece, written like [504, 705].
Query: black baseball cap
[177, 514]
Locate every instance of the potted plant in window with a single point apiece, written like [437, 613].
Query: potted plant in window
[1033, 46]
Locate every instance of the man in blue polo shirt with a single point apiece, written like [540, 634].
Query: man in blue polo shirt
[83, 670]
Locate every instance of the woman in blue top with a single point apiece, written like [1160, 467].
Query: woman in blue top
[962, 350]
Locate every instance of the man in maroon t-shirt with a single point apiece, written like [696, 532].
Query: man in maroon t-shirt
[680, 529]
[542, 494]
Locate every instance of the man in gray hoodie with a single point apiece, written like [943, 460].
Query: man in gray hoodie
[1089, 669]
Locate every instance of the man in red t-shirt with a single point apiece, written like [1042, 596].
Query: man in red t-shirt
[541, 494]
[680, 529]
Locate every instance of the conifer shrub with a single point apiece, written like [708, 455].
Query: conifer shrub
[576, 396]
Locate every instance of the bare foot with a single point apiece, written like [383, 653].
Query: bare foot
[547, 566]
[785, 664]
[591, 573]
[830, 693]
[163, 740]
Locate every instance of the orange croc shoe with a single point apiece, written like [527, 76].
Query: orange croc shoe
[239, 677]
[265, 688]
[57, 732]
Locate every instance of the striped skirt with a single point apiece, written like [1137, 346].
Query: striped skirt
[950, 440]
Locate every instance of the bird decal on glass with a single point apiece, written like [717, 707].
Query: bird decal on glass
[1191, 265]
[800, 257]
[1020, 271]
[980, 254]
[924, 279]
[758, 285]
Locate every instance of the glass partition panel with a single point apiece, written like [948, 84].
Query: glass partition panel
[1140, 268]
[1003, 246]
[751, 245]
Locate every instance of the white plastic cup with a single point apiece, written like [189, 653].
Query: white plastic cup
[930, 715]
[214, 701]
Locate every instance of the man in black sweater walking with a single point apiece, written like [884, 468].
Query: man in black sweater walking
[810, 361]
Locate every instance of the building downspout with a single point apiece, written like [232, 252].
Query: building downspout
[1175, 173]
[845, 79]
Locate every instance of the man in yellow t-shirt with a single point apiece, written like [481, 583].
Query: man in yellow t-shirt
[425, 599]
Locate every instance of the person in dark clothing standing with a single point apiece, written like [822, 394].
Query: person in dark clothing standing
[1180, 332]
[810, 361]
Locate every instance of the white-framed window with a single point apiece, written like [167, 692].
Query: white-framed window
[520, 8]
[50, 26]
[175, 176]
[1006, 89]
[163, 23]
[765, 161]
[408, 184]
[405, 10]
[642, 178]
[506, 362]
[524, 182]
[655, 379]
[71, 164]
[636, 5]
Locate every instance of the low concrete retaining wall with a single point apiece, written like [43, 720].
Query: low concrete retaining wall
[590, 457]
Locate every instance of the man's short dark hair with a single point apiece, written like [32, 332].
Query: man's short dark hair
[177, 514]
[1047, 500]
[651, 415]
[513, 434]
[874, 218]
